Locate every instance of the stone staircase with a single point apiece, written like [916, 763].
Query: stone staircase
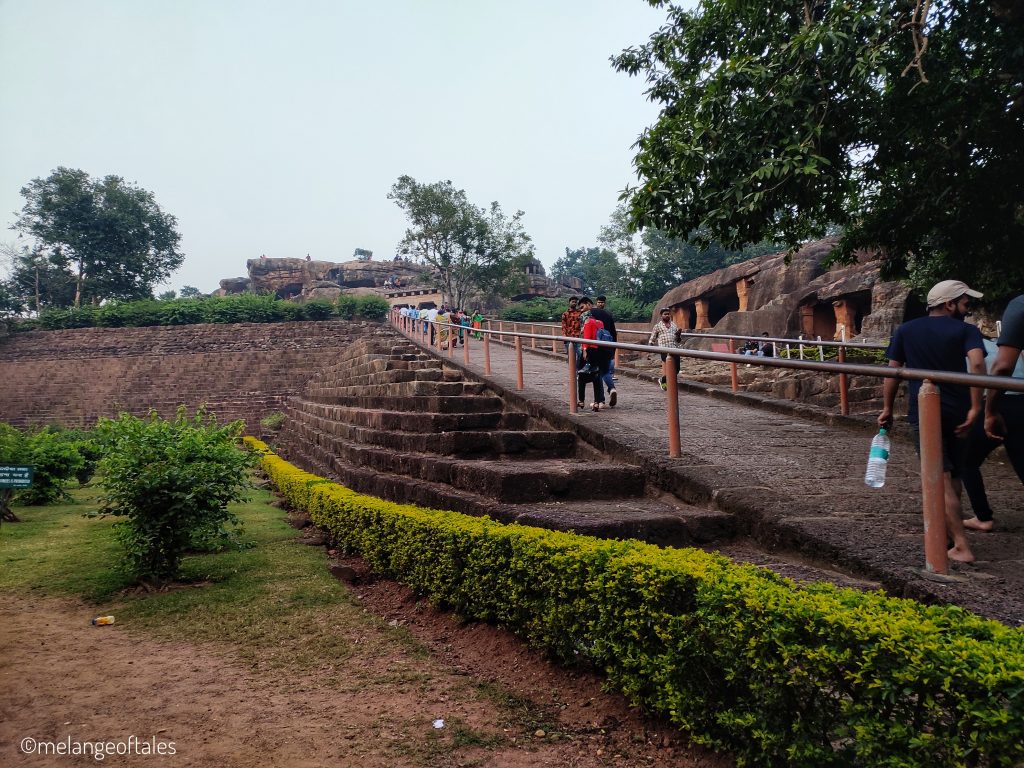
[389, 420]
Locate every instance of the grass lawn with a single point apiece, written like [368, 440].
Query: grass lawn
[273, 600]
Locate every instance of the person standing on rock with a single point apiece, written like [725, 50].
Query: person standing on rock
[606, 317]
[1004, 416]
[666, 333]
[942, 341]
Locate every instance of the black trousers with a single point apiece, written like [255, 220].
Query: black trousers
[980, 445]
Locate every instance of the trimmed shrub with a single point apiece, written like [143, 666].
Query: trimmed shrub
[742, 659]
[372, 307]
[172, 482]
[318, 310]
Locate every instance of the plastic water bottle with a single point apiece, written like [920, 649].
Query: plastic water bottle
[102, 621]
[878, 458]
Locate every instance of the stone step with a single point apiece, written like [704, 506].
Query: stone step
[403, 389]
[519, 481]
[402, 421]
[424, 405]
[651, 520]
[471, 444]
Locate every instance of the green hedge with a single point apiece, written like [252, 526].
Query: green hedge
[744, 660]
[243, 308]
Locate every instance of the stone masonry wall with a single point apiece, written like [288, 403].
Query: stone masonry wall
[240, 371]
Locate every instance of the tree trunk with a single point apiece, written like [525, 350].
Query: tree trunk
[5, 509]
[78, 285]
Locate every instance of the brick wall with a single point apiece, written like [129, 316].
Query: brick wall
[240, 371]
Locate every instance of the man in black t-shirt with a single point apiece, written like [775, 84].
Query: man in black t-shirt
[600, 313]
[942, 341]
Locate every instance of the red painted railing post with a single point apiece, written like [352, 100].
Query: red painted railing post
[933, 483]
[844, 392]
[519, 363]
[668, 370]
[732, 367]
[573, 393]
[465, 346]
[487, 351]
[533, 338]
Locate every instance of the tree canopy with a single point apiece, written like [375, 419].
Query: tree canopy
[900, 121]
[475, 250]
[95, 239]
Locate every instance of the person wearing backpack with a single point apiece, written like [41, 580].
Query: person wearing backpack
[595, 360]
[608, 321]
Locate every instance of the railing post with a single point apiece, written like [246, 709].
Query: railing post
[554, 342]
[519, 362]
[487, 350]
[844, 392]
[573, 389]
[533, 338]
[732, 367]
[501, 331]
[668, 370]
[451, 340]
[933, 484]
[465, 346]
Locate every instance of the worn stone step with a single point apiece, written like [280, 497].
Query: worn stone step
[403, 421]
[523, 480]
[439, 405]
[649, 520]
[472, 444]
[404, 389]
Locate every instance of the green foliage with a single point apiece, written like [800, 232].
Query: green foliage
[318, 310]
[784, 125]
[541, 310]
[744, 660]
[273, 421]
[370, 307]
[475, 250]
[241, 308]
[102, 238]
[57, 456]
[172, 482]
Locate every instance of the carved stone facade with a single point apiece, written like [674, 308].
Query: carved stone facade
[306, 279]
[791, 297]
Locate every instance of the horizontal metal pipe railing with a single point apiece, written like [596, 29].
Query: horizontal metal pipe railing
[936, 559]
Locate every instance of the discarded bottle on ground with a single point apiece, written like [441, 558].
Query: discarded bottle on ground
[878, 458]
[102, 621]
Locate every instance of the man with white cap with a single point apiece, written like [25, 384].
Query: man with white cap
[942, 341]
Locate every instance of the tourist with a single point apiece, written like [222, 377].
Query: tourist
[478, 323]
[766, 348]
[571, 326]
[464, 323]
[942, 341]
[602, 314]
[1004, 416]
[594, 359]
[666, 333]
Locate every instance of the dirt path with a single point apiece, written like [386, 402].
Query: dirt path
[64, 680]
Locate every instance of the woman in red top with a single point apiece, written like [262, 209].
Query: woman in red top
[597, 358]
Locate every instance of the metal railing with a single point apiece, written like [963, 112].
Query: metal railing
[929, 412]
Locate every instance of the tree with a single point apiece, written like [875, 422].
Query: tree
[657, 262]
[109, 238]
[598, 268]
[189, 292]
[900, 122]
[474, 250]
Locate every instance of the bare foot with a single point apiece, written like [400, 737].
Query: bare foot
[978, 525]
[961, 555]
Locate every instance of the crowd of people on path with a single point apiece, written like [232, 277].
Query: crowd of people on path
[437, 324]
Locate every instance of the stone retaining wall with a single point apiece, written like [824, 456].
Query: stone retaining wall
[240, 371]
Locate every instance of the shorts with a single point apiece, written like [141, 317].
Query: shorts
[954, 449]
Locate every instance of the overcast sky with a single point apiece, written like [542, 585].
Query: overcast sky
[278, 127]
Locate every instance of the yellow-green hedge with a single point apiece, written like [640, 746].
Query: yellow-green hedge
[743, 660]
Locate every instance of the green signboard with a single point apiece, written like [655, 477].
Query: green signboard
[12, 476]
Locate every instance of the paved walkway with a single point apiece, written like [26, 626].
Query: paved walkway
[794, 478]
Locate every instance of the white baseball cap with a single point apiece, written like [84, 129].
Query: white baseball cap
[950, 290]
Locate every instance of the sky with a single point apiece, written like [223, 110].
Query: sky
[278, 127]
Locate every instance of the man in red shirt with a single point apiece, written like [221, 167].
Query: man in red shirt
[596, 358]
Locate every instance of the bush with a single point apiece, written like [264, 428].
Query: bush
[345, 307]
[372, 307]
[318, 310]
[742, 659]
[172, 482]
[56, 459]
